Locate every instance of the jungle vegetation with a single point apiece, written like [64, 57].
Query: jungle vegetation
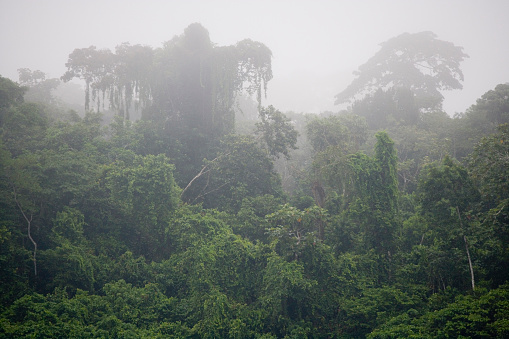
[178, 206]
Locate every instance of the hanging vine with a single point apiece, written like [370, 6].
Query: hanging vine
[189, 80]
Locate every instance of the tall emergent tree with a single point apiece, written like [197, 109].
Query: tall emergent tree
[418, 62]
[188, 84]
[195, 82]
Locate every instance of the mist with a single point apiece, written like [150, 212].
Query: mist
[143, 194]
[316, 45]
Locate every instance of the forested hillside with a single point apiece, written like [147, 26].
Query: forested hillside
[168, 209]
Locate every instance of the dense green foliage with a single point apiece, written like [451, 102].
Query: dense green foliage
[175, 226]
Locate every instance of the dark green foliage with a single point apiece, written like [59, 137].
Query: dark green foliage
[466, 316]
[172, 227]
[11, 94]
[489, 168]
[250, 221]
[494, 105]
[377, 201]
[447, 195]
[276, 131]
[143, 193]
[371, 197]
[444, 187]
[23, 127]
[242, 170]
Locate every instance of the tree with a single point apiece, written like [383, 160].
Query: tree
[21, 174]
[481, 315]
[348, 132]
[489, 168]
[10, 94]
[496, 104]
[242, 170]
[95, 67]
[493, 105]
[388, 107]
[363, 189]
[188, 81]
[292, 229]
[187, 88]
[132, 75]
[376, 203]
[418, 62]
[447, 196]
[333, 138]
[39, 88]
[196, 82]
[120, 78]
[285, 287]
[70, 263]
[143, 192]
[250, 221]
[276, 131]
[489, 165]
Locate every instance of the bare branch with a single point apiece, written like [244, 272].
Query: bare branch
[202, 172]
[29, 225]
[468, 252]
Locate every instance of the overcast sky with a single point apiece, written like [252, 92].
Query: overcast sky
[316, 44]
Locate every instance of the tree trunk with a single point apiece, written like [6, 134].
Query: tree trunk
[469, 263]
[468, 252]
[29, 226]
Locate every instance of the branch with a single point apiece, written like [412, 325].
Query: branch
[468, 252]
[204, 187]
[201, 173]
[29, 225]
[215, 189]
[421, 65]
[196, 177]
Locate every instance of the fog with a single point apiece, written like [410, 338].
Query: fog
[316, 45]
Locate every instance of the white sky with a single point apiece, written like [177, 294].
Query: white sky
[316, 44]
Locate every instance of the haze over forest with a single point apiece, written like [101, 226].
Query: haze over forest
[316, 45]
[171, 199]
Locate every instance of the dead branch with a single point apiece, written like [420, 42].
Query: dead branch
[203, 171]
[29, 225]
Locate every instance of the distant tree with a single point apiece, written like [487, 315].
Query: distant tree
[94, 67]
[276, 131]
[417, 62]
[333, 139]
[189, 81]
[347, 132]
[23, 127]
[187, 88]
[195, 82]
[39, 87]
[493, 105]
[479, 120]
[25, 194]
[388, 107]
[10, 94]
